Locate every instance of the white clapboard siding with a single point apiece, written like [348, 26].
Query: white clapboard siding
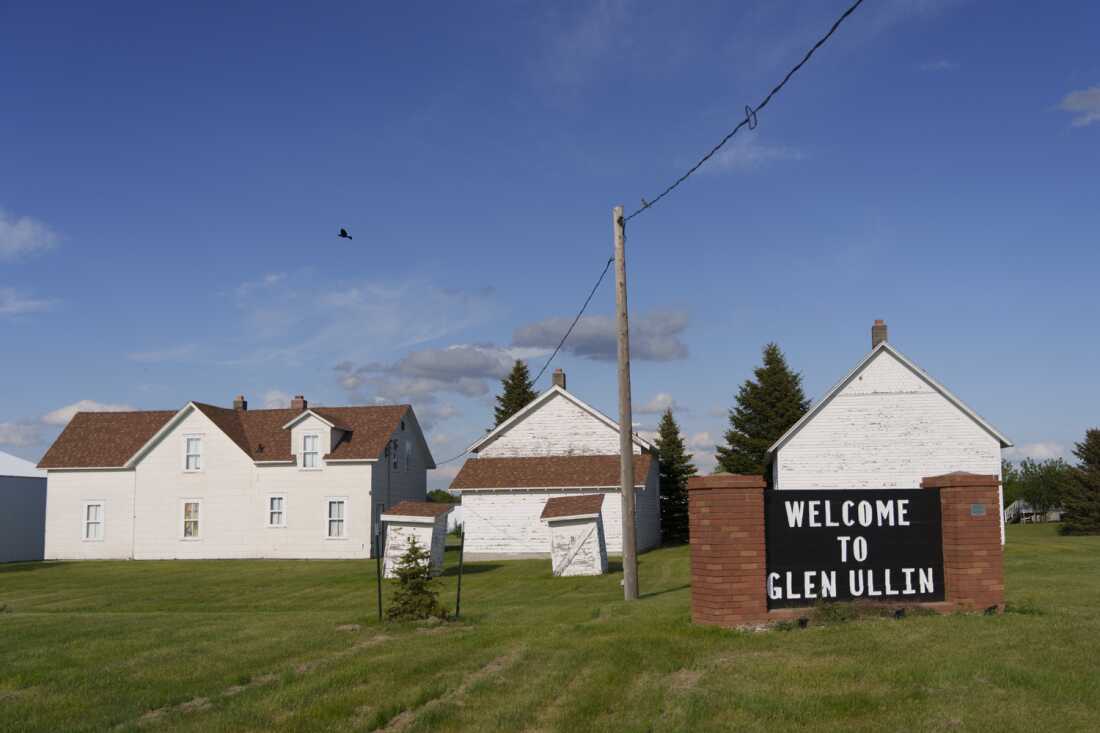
[559, 427]
[887, 428]
[578, 546]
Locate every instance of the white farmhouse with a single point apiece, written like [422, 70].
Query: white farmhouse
[555, 446]
[23, 518]
[216, 482]
[887, 424]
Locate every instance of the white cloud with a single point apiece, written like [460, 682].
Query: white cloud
[655, 336]
[1084, 104]
[276, 399]
[172, 353]
[938, 65]
[18, 434]
[701, 442]
[578, 44]
[62, 415]
[658, 404]
[269, 280]
[14, 303]
[746, 152]
[24, 235]
[1040, 451]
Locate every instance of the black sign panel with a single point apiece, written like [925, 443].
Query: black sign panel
[853, 544]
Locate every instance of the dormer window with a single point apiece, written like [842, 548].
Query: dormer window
[311, 450]
[192, 453]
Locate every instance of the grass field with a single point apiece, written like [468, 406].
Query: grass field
[273, 645]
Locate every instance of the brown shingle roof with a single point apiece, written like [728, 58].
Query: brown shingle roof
[110, 439]
[546, 472]
[419, 509]
[103, 439]
[572, 506]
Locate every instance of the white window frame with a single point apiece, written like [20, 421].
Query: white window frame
[84, 520]
[268, 510]
[202, 439]
[347, 524]
[317, 452]
[183, 519]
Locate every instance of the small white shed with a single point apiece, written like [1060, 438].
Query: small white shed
[577, 542]
[426, 521]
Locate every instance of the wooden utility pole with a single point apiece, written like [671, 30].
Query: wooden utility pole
[626, 417]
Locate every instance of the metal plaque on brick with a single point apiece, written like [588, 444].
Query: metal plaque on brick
[853, 544]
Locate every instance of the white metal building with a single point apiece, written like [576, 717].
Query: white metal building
[23, 518]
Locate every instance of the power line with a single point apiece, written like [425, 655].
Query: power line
[750, 114]
[561, 343]
[574, 323]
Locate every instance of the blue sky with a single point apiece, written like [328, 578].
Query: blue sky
[173, 179]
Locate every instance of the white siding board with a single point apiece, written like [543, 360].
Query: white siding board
[559, 427]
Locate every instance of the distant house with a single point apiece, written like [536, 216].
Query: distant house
[23, 519]
[887, 424]
[1021, 511]
[555, 446]
[216, 482]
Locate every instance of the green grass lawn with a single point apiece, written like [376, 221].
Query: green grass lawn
[274, 645]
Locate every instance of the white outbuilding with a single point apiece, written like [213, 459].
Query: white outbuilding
[886, 425]
[23, 518]
[423, 521]
[555, 446]
[577, 543]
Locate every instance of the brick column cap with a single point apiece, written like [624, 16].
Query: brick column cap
[726, 481]
[958, 479]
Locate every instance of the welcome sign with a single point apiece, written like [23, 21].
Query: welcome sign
[853, 544]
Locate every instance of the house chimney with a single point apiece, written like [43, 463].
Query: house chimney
[878, 333]
[299, 404]
[240, 403]
[558, 378]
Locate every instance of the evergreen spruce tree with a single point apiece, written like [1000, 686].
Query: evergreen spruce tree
[766, 408]
[676, 467]
[1081, 500]
[517, 391]
[416, 597]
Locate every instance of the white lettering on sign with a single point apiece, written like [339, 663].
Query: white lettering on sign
[871, 583]
[794, 513]
[819, 513]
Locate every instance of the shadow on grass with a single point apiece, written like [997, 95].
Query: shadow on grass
[26, 567]
[656, 593]
[471, 569]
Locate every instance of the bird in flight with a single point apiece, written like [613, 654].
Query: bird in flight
[344, 234]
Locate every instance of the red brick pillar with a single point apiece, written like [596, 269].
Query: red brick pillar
[726, 518]
[973, 559]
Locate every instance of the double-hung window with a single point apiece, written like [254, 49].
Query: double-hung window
[191, 527]
[311, 450]
[93, 521]
[336, 521]
[276, 511]
[192, 453]
[396, 452]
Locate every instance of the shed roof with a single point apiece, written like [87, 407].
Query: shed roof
[561, 507]
[562, 472]
[419, 509]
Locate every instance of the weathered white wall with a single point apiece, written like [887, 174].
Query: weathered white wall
[507, 523]
[432, 537]
[233, 492]
[578, 547]
[23, 519]
[557, 428]
[887, 428]
[66, 492]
